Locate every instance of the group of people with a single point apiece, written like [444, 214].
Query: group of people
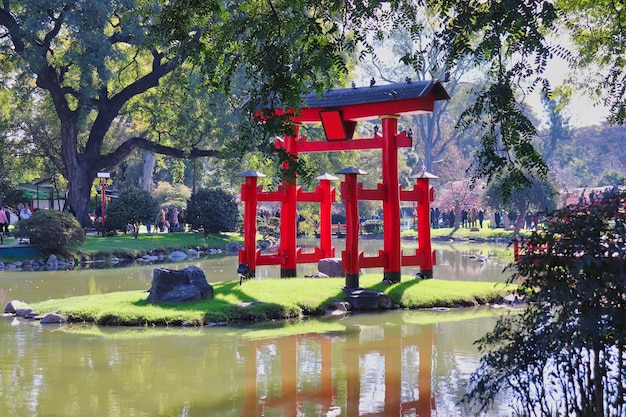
[171, 220]
[5, 216]
[597, 197]
[473, 217]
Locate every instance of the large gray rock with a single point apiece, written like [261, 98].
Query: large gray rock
[13, 306]
[53, 318]
[233, 248]
[369, 300]
[179, 286]
[26, 312]
[52, 263]
[331, 267]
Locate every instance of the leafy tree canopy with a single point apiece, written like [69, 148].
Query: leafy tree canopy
[99, 64]
[539, 195]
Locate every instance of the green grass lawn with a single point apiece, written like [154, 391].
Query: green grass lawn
[265, 299]
[111, 245]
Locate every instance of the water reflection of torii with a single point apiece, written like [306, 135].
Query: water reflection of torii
[354, 350]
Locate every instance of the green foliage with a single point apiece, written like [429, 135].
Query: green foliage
[538, 195]
[564, 354]
[168, 195]
[308, 219]
[213, 211]
[373, 226]
[505, 150]
[597, 32]
[611, 177]
[268, 226]
[53, 231]
[132, 207]
[558, 123]
[508, 38]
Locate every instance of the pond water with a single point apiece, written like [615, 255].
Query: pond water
[398, 363]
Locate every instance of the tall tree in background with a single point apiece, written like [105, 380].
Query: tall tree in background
[558, 125]
[540, 195]
[508, 39]
[403, 57]
[91, 58]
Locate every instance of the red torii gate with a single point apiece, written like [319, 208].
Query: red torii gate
[339, 111]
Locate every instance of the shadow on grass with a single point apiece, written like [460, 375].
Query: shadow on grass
[248, 309]
[396, 291]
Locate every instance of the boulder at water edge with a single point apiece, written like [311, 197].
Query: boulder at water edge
[53, 318]
[331, 267]
[13, 306]
[368, 300]
[179, 286]
[52, 262]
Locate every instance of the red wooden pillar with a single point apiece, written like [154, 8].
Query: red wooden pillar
[393, 371]
[423, 221]
[328, 196]
[391, 202]
[350, 257]
[352, 359]
[288, 217]
[249, 195]
[287, 348]
[427, 343]
[250, 396]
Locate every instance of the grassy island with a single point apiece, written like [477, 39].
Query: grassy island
[266, 299]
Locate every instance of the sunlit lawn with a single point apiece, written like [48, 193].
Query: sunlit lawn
[267, 299]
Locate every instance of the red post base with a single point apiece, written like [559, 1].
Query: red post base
[393, 276]
[352, 281]
[288, 273]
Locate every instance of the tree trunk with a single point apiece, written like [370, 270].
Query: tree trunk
[520, 221]
[80, 182]
[147, 169]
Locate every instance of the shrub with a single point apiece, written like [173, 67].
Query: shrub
[53, 231]
[564, 354]
[373, 226]
[132, 207]
[213, 211]
[268, 227]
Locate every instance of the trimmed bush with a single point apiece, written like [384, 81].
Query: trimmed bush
[374, 227]
[132, 207]
[53, 231]
[213, 211]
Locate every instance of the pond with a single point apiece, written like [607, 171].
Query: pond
[397, 363]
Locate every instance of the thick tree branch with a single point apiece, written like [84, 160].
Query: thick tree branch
[110, 108]
[58, 23]
[14, 29]
[115, 158]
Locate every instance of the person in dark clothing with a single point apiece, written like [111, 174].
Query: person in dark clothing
[7, 212]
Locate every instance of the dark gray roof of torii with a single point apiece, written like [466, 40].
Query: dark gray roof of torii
[376, 94]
